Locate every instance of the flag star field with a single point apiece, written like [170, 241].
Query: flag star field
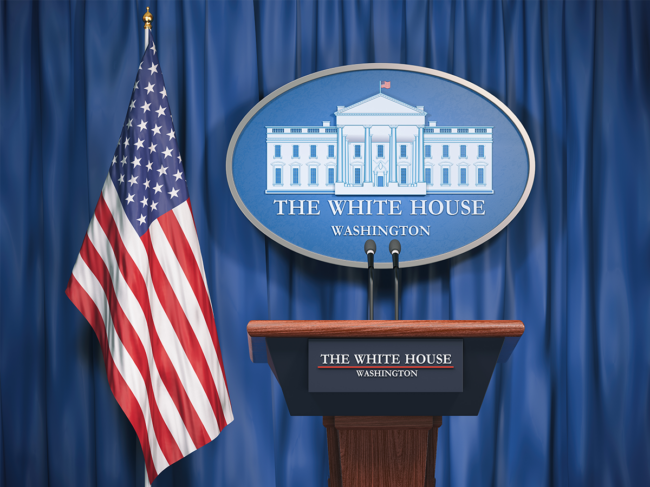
[147, 170]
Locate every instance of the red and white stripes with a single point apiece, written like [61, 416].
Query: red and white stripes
[147, 300]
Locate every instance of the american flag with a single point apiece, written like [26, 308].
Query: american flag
[139, 280]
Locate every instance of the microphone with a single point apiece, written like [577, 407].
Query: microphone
[395, 249]
[370, 248]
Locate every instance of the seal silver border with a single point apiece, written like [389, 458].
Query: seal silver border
[378, 66]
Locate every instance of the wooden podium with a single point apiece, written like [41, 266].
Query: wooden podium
[381, 439]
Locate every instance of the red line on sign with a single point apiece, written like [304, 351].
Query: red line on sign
[385, 366]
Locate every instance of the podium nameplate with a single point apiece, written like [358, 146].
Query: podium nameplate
[385, 365]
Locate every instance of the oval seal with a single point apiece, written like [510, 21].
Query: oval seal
[380, 151]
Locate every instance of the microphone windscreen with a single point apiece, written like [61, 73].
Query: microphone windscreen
[394, 247]
[370, 246]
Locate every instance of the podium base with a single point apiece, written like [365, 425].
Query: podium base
[382, 451]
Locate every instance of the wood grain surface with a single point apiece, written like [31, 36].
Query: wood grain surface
[383, 458]
[431, 452]
[382, 451]
[385, 329]
[333, 453]
[383, 422]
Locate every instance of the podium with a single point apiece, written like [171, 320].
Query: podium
[382, 387]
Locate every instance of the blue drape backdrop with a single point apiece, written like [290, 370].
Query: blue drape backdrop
[570, 408]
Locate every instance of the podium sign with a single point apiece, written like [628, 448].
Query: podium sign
[385, 365]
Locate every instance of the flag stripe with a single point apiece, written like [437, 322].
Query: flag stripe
[184, 252]
[190, 382]
[123, 361]
[119, 387]
[107, 243]
[181, 248]
[183, 328]
[171, 414]
[130, 238]
[134, 349]
[121, 357]
[139, 346]
[185, 219]
[191, 423]
[167, 334]
[191, 307]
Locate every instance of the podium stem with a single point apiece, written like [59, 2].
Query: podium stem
[382, 451]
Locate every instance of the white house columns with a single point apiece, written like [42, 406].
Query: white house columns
[367, 155]
[420, 160]
[346, 161]
[416, 159]
[392, 163]
[339, 154]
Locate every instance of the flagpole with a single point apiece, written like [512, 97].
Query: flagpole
[147, 18]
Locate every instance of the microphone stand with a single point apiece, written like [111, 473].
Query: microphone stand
[395, 249]
[371, 303]
[370, 247]
[395, 269]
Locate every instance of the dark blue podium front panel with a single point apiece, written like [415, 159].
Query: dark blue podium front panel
[288, 359]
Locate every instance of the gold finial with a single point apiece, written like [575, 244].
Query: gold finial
[147, 18]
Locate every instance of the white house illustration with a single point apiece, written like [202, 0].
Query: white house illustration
[380, 146]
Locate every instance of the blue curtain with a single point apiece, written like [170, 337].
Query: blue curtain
[570, 408]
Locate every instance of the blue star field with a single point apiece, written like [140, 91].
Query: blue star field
[147, 168]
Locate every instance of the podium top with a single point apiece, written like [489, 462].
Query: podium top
[385, 329]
